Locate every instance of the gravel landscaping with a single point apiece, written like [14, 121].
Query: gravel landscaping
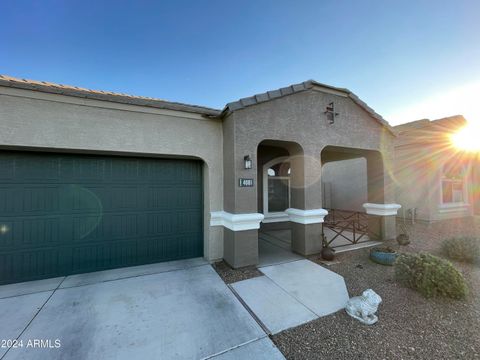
[410, 326]
[230, 275]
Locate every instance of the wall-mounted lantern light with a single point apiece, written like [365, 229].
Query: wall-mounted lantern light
[330, 112]
[247, 162]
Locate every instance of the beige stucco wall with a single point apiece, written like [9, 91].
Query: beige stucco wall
[30, 119]
[418, 175]
[414, 181]
[346, 184]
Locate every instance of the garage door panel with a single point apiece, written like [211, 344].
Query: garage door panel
[7, 200]
[160, 223]
[89, 169]
[88, 228]
[40, 199]
[37, 169]
[7, 164]
[39, 232]
[35, 264]
[104, 256]
[189, 245]
[8, 228]
[188, 197]
[164, 175]
[188, 221]
[28, 232]
[86, 213]
[124, 197]
[125, 170]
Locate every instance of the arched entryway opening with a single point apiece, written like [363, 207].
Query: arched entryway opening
[278, 173]
[276, 194]
[352, 178]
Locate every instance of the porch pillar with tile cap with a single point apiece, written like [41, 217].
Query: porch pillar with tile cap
[381, 207]
[306, 214]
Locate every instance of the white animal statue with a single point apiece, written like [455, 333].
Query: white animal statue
[364, 307]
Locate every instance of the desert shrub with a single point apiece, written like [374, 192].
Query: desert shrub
[430, 275]
[466, 249]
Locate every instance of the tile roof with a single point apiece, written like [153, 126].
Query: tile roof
[442, 124]
[76, 91]
[296, 88]
[427, 131]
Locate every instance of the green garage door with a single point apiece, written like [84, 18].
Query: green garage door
[66, 214]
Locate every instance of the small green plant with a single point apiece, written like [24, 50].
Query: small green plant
[466, 249]
[430, 275]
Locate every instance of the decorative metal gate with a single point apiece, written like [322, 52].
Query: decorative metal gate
[351, 226]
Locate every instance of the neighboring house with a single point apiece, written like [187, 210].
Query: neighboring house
[434, 180]
[93, 180]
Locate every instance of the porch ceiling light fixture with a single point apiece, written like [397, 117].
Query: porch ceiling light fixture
[247, 162]
[330, 112]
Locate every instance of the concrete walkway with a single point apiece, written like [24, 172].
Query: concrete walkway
[177, 310]
[269, 253]
[292, 293]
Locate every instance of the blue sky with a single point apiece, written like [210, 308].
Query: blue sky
[396, 55]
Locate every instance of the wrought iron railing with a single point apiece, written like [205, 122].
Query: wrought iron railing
[352, 226]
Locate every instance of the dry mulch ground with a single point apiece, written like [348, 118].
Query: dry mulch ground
[410, 326]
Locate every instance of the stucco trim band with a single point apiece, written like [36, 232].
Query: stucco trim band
[381, 209]
[454, 207]
[236, 222]
[276, 217]
[313, 216]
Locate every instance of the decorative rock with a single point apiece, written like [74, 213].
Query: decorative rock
[364, 307]
[328, 254]
[403, 239]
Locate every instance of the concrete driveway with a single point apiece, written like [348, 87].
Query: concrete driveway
[176, 310]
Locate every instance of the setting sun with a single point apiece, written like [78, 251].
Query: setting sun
[467, 138]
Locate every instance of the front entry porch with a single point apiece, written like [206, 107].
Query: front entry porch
[343, 231]
[280, 168]
[275, 247]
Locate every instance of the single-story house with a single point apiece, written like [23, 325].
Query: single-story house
[434, 180]
[94, 180]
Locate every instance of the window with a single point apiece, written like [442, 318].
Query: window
[453, 183]
[276, 190]
[278, 194]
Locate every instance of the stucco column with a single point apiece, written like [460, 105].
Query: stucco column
[240, 218]
[306, 214]
[382, 223]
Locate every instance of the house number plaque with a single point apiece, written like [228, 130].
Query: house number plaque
[245, 182]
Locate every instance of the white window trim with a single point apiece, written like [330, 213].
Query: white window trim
[277, 216]
[453, 206]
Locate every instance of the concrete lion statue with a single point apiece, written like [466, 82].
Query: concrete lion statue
[364, 307]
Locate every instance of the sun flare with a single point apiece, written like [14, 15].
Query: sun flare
[467, 138]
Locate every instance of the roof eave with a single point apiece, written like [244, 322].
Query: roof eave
[109, 96]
